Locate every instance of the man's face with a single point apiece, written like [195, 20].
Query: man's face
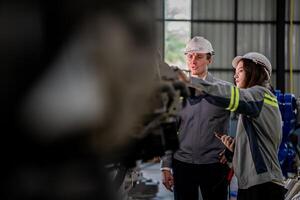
[197, 63]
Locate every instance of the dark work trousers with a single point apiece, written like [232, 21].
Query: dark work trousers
[211, 178]
[265, 191]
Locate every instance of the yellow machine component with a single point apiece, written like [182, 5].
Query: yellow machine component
[291, 33]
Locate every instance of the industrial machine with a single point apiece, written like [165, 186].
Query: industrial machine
[289, 107]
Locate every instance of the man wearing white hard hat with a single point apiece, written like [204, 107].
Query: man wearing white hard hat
[199, 162]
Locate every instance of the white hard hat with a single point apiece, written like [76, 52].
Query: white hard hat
[257, 58]
[198, 45]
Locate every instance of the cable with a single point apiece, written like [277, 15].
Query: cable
[291, 33]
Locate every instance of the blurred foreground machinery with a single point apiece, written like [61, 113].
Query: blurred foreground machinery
[158, 135]
[81, 88]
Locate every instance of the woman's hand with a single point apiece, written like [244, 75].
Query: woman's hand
[182, 76]
[227, 140]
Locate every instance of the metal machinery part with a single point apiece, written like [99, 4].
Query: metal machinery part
[289, 108]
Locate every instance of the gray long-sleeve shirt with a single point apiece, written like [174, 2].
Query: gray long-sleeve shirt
[199, 120]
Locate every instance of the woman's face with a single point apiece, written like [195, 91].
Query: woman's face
[240, 75]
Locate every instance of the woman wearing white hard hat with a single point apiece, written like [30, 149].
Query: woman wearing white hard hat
[259, 132]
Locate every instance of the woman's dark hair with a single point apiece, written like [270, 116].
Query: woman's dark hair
[255, 74]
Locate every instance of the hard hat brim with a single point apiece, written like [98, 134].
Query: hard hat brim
[198, 51]
[236, 60]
